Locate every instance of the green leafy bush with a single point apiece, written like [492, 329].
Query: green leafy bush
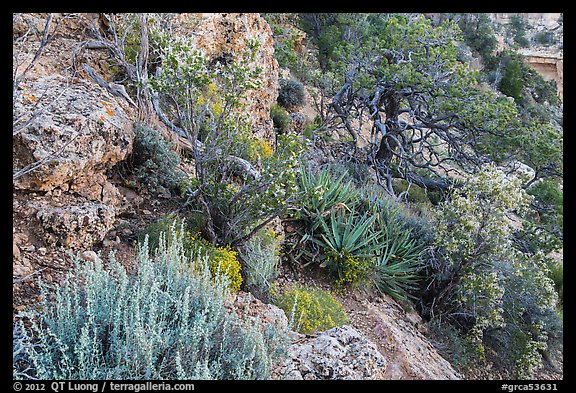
[285, 37]
[312, 310]
[549, 200]
[512, 83]
[518, 28]
[479, 35]
[242, 183]
[152, 161]
[291, 94]
[485, 286]
[556, 273]
[162, 322]
[154, 230]
[280, 118]
[545, 38]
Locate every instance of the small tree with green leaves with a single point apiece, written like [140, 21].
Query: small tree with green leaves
[241, 185]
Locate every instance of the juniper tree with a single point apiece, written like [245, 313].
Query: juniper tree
[399, 76]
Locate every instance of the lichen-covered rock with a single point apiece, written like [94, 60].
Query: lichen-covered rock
[297, 123]
[409, 353]
[82, 132]
[75, 227]
[338, 353]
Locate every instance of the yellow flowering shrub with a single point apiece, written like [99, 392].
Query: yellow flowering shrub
[221, 260]
[351, 270]
[225, 261]
[313, 310]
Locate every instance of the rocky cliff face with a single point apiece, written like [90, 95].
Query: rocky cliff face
[547, 60]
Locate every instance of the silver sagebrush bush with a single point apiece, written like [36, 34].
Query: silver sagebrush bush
[167, 321]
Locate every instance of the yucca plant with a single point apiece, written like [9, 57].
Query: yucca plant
[396, 266]
[349, 243]
[322, 191]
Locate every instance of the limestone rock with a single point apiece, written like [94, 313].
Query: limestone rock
[76, 226]
[246, 305]
[338, 353]
[15, 251]
[82, 133]
[297, 123]
[90, 256]
[409, 353]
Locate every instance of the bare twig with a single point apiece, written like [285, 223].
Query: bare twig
[20, 279]
[16, 81]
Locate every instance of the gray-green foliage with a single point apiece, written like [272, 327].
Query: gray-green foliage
[153, 162]
[260, 257]
[500, 297]
[291, 94]
[166, 321]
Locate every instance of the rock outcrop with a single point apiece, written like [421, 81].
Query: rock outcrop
[340, 353]
[547, 60]
[549, 64]
[399, 336]
[75, 227]
[82, 132]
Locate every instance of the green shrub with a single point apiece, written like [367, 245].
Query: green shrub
[518, 26]
[549, 200]
[312, 126]
[545, 38]
[414, 194]
[486, 287]
[312, 310]
[291, 94]
[260, 258]
[512, 83]
[285, 38]
[479, 35]
[154, 230]
[152, 161]
[160, 322]
[280, 118]
[556, 273]
[455, 347]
